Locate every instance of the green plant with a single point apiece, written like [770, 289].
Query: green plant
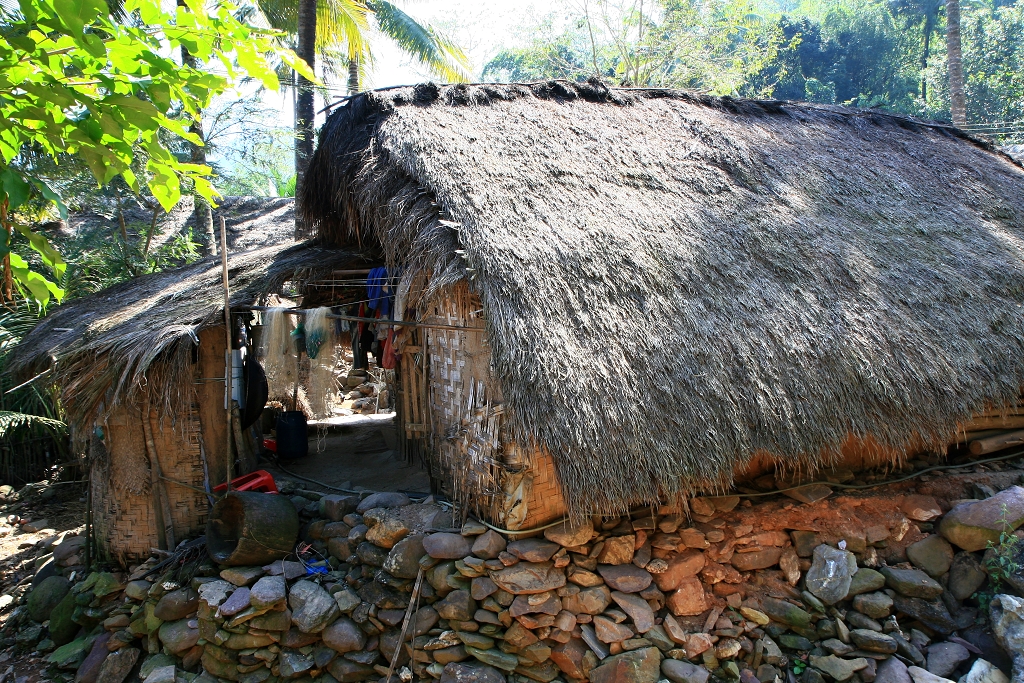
[1002, 559]
[78, 78]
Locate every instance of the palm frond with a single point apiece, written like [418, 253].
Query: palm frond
[10, 421]
[343, 24]
[428, 45]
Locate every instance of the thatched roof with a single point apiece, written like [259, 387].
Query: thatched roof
[102, 346]
[674, 283]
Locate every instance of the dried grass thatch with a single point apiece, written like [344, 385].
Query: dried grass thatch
[105, 347]
[674, 283]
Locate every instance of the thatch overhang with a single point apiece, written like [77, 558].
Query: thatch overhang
[674, 283]
[107, 346]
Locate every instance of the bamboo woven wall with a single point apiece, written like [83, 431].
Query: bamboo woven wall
[190, 450]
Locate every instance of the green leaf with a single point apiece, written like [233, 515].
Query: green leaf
[48, 192]
[42, 246]
[32, 284]
[14, 187]
[77, 13]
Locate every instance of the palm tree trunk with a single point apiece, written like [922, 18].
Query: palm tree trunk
[928, 28]
[201, 210]
[955, 65]
[353, 76]
[304, 111]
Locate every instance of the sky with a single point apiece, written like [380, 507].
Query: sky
[480, 27]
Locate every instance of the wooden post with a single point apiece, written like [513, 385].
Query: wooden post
[227, 334]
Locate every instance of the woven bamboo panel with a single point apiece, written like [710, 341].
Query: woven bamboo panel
[533, 496]
[124, 516]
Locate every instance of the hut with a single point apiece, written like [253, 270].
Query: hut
[141, 368]
[626, 296]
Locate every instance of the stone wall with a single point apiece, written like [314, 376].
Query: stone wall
[859, 589]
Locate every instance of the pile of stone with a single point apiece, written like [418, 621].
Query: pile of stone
[656, 596]
[362, 395]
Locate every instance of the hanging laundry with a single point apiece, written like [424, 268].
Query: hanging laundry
[379, 292]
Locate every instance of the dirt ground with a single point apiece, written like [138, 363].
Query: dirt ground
[355, 452]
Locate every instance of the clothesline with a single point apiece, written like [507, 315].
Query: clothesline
[379, 321]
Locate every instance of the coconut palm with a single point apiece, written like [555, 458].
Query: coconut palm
[337, 33]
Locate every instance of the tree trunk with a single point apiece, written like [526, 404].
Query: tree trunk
[304, 113]
[955, 65]
[201, 210]
[924, 58]
[353, 76]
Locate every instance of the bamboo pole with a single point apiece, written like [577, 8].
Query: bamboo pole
[161, 503]
[227, 365]
[379, 321]
[992, 444]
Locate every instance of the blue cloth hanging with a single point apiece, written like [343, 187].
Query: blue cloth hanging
[380, 294]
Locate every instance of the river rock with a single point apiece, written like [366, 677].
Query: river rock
[489, 545]
[90, 668]
[933, 555]
[527, 578]
[267, 592]
[966, 576]
[344, 635]
[892, 670]
[178, 636]
[236, 602]
[118, 665]
[912, 583]
[46, 596]
[403, 561]
[618, 550]
[759, 559]
[387, 532]
[786, 613]
[974, 524]
[385, 499]
[313, 608]
[242, 576]
[533, 549]
[920, 675]
[838, 669]
[447, 546]
[681, 566]
[637, 609]
[1006, 612]
[683, 672]
[456, 672]
[831, 573]
[921, 508]
[593, 600]
[137, 590]
[689, 599]
[984, 671]
[932, 614]
[865, 580]
[627, 578]
[874, 605]
[494, 657]
[872, 641]
[458, 605]
[944, 658]
[213, 593]
[63, 627]
[638, 666]
[570, 536]
[610, 632]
